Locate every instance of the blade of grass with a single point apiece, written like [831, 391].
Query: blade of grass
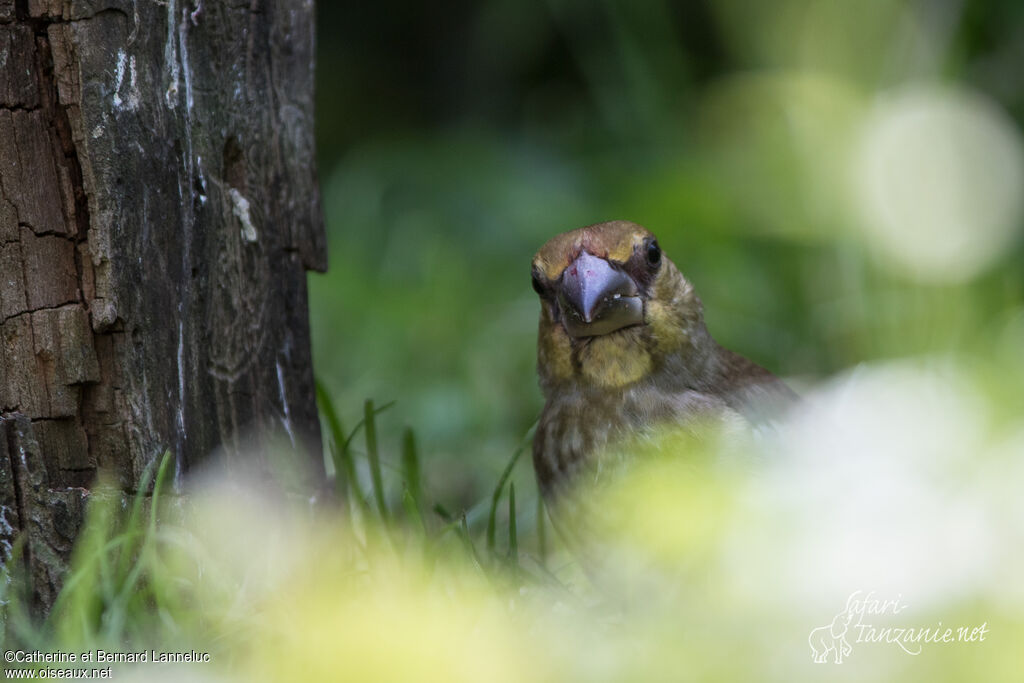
[373, 456]
[363, 498]
[513, 540]
[359, 425]
[441, 512]
[341, 453]
[134, 516]
[411, 471]
[496, 496]
[105, 526]
[158, 487]
[467, 540]
[138, 548]
[412, 510]
[19, 625]
[78, 601]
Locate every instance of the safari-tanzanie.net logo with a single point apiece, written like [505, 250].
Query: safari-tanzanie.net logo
[868, 619]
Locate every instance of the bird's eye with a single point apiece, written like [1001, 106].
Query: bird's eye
[653, 253]
[535, 281]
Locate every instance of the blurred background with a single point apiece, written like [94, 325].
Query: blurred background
[842, 181]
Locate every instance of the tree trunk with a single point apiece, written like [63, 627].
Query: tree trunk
[158, 211]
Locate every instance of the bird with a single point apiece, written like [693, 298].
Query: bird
[622, 348]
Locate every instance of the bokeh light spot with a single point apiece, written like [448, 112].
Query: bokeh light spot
[938, 180]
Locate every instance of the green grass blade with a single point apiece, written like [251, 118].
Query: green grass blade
[513, 540]
[443, 513]
[134, 517]
[372, 454]
[341, 470]
[496, 496]
[467, 541]
[359, 425]
[412, 510]
[341, 451]
[411, 470]
[158, 488]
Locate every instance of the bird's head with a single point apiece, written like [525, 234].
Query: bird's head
[613, 307]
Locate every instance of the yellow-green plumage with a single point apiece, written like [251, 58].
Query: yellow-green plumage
[649, 361]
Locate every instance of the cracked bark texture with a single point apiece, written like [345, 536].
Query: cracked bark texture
[158, 211]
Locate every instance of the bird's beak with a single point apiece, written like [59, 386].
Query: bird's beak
[596, 299]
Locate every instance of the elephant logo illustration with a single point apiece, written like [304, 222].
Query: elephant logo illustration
[832, 638]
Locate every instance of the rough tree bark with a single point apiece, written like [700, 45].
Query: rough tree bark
[158, 211]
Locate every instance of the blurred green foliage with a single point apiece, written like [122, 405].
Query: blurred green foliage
[887, 486]
[455, 139]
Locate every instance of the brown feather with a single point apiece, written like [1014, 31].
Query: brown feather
[604, 389]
